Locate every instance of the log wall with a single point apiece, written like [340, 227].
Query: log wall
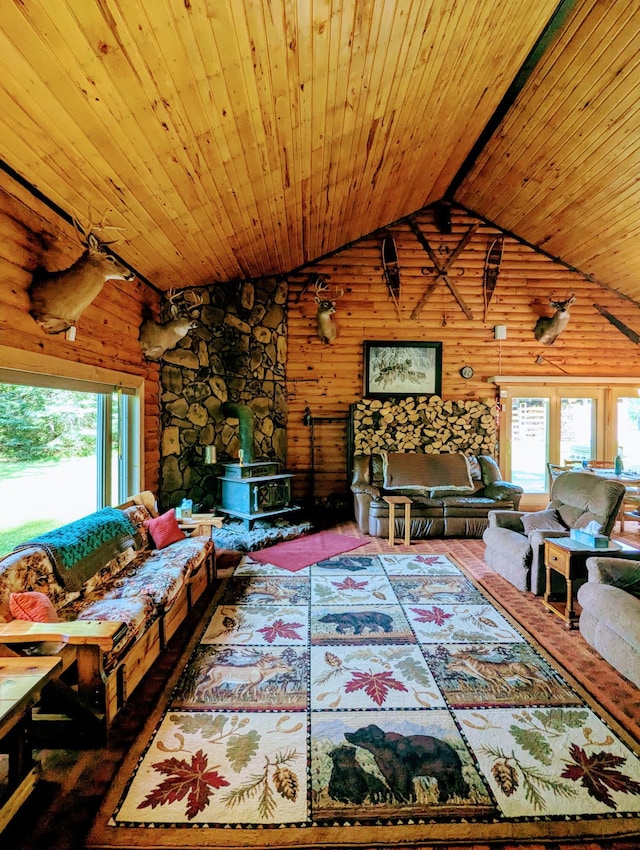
[325, 379]
[32, 234]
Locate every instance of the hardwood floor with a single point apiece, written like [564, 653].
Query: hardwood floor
[60, 811]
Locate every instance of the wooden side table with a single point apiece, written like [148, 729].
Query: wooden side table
[205, 521]
[568, 558]
[21, 681]
[392, 501]
[203, 524]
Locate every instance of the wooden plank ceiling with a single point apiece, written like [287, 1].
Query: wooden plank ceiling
[239, 138]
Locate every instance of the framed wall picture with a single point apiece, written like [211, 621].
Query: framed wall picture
[402, 369]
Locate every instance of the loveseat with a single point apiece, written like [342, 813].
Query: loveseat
[106, 593]
[515, 540]
[451, 494]
[610, 616]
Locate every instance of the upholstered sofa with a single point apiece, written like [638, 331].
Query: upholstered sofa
[610, 616]
[515, 540]
[451, 494]
[102, 594]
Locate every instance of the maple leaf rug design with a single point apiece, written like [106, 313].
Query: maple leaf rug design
[373, 700]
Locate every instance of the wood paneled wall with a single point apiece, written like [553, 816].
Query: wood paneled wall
[329, 377]
[32, 234]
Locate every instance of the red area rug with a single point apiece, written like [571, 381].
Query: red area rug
[294, 555]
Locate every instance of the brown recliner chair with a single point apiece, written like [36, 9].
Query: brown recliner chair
[515, 539]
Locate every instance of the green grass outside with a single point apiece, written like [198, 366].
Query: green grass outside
[18, 468]
[12, 537]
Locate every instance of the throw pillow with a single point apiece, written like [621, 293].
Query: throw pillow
[542, 521]
[33, 606]
[164, 529]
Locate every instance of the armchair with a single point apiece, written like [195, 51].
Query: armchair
[610, 617]
[515, 539]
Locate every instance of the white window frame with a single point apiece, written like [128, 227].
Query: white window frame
[608, 390]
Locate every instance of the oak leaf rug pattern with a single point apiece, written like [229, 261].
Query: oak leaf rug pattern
[378, 700]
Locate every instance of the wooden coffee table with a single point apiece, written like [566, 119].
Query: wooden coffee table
[568, 558]
[21, 681]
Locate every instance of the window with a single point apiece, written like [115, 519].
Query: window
[67, 447]
[551, 424]
[529, 441]
[578, 430]
[628, 430]
[554, 423]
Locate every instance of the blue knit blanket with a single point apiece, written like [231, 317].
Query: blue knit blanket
[81, 548]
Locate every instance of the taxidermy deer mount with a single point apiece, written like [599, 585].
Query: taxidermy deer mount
[549, 328]
[327, 328]
[156, 338]
[58, 299]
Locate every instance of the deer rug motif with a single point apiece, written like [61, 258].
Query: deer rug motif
[370, 700]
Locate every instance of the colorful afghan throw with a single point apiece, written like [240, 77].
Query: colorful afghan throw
[380, 700]
[80, 548]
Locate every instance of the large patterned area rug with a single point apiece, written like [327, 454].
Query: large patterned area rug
[369, 701]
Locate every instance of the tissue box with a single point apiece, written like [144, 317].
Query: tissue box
[595, 541]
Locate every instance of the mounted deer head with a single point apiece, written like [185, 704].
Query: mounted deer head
[327, 329]
[156, 338]
[58, 299]
[548, 329]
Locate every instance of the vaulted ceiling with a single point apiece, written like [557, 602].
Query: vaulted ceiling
[239, 138]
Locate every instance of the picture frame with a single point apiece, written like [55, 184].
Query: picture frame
[400, 369]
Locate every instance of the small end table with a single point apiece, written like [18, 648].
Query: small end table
[392, 501]
[195, 521]
[192, 525]
[568, 558]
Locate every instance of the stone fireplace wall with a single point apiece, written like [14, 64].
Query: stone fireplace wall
[237, 354]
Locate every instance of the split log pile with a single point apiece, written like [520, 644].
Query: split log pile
[424, 424]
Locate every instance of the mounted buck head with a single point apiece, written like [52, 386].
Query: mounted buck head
[58, 299]
[327, 329]
[156, 338]
[548, 329]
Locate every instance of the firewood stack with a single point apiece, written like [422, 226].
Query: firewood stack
[424, 424]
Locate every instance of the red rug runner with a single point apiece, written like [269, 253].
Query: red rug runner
[294, 555]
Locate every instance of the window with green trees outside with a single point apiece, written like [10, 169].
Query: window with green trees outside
[67, 448]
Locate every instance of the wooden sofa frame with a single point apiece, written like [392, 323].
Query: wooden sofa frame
[97, 696]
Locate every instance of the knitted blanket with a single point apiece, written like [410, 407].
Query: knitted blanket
[81, 548]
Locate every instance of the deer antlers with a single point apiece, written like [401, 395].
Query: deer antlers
[548, 329]
[96, 228]
[183, 301]
[157, 338]
[59, 298]
[327, 329]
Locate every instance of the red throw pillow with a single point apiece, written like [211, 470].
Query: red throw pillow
[164, 529]
[34, 606]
